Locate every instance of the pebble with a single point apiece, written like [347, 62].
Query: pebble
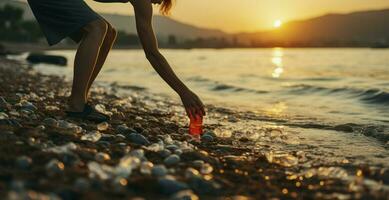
[54, 167]
[3, 115]
[120, 137]
[138, 139]
[68, 128]
[165, 153]
[156, 147]
[159, 171]
[172, 160]
[207, 138]
[146, 167]
[198, 163]
[122, 129]
[211, 133]
[102, 157]
[167, 139]
[206, 169]
[4, 105]
[178, 152]
[203, 186]
[102, 126]
[23, 162]
[184, 195]
[92, 136]
[81, 184]
[41, 127]
[138, 153]
[66, 148]
[71, 159]
[172, 147]
[191, 172]
[29, 106]
[170, 186]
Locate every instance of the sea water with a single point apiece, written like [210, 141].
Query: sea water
[334, 101]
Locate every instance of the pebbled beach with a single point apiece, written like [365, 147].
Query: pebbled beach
[144, 152]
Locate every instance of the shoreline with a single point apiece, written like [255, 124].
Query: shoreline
[40, 47]
[45, 153]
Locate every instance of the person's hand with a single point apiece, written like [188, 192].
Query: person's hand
[192, 104]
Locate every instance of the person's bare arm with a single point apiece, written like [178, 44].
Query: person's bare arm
[143, 16]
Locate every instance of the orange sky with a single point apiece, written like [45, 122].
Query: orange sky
[250, 15]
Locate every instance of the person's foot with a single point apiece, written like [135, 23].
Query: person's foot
[89, 113]
[75, 105]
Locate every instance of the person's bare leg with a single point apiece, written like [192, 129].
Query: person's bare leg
[85, 62]
[106, 47]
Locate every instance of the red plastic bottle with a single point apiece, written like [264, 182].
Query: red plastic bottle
[196, 125]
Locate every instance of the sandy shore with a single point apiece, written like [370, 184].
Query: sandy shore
[144, 152]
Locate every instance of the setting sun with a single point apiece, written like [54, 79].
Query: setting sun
[277, 24]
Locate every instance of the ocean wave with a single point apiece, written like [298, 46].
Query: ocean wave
[370, 96]
[225, 87]
[217, 86]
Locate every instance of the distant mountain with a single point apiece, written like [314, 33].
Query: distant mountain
[163, 26]
[359, 27]
[365, 28]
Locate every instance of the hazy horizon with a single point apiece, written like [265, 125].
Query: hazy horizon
[256, 17]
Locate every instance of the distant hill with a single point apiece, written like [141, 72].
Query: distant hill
[163, 26]
[359, 27]
[366, 28]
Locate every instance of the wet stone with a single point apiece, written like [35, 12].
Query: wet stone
[102, 157]
[184, 195]
[70, 159]
[146, 167]
[156, 147]
[172, 160]
[138, 139]
[122, 129]
[68, 128]
[81, 184]
[93, 136]
[191, 172]
[198, 163]
[207, 138]
[206, 168]
[211, 133]
[172, 147]
[138, 153]
[170, 186]
[104, 143]
[54, 167]
[23, 162]
[29, 106]
[41, 127]
[4, 105]
[159, 171]
[66, 148]
[9, 124]
[202, 186]
[3, 115]
[178, 152]
[120, 137]
[102, 126]
[165, 153]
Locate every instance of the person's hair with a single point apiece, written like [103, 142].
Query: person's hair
[166, 6]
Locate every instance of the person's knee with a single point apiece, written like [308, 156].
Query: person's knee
[97, 28]
[111, 33]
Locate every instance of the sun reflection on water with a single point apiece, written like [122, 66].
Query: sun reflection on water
[277, 60]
